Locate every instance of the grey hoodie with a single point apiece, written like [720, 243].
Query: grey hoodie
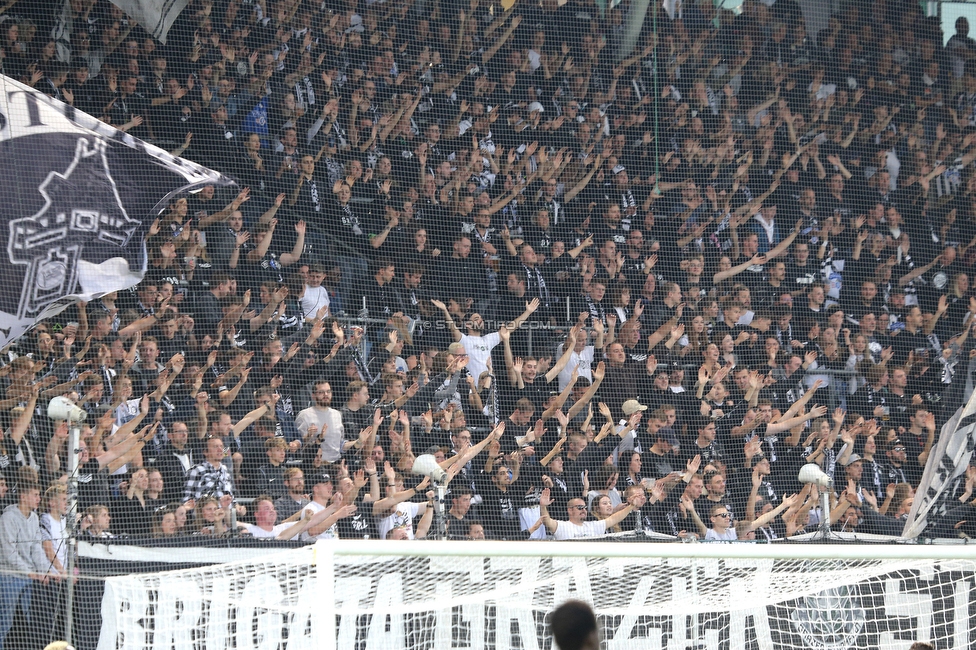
[20, 543]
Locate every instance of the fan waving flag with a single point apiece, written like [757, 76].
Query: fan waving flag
[155, 16]
[76, 202]
[945, 469]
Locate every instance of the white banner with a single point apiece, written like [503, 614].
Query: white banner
[478, 603]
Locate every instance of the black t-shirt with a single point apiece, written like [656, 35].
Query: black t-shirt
[221, 241]
[361, 525]
[540, 240]
[311, 203]
[268, 268]
[603, 231]
[800, 278]
[346, 225]
[905, 341]
[657, 467]
[93, 488]
[500, 510]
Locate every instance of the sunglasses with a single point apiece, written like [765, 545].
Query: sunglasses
[724, 515]
[578, 507]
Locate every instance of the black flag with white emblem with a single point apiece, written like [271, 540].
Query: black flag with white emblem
[76, 203]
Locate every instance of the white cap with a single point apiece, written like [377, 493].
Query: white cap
[536, 106]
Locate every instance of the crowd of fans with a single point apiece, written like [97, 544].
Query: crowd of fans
[607, 289]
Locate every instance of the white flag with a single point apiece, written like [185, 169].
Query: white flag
[155, 16]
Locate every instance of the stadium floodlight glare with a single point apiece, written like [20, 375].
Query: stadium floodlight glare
[811, 473]
[426, 465]
[62, 408]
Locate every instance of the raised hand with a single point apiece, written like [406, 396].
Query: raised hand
[839, 415]
[752, 447]
[600, 371]
[545, 499]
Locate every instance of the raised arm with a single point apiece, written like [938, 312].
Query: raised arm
[250, 418]
[471, 452]
[568, 348]
[545, 500]
[571, 194]
[287, 259]
[229, 396]
[939, 313]
[762, 520]
[784, 245]
[598, 374]
[451, 327]
[783, 425]
[621, 514]
[514, 377]
[690, 507]
[385, 506]
[916, 272]
[557, 403]
[801, 403]
[736, 270]
[500, 41]
[530, 308]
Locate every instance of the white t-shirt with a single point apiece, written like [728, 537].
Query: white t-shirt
[614, 494]
[527, 517]
[261, 533]
[56, 533]
[582, 360]
[728, 536]
[479, 351]
[402, 517]
[567, 530]
[316, 508]
[313, 300]
[335, 433]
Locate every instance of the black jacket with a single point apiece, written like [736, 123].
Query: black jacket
[174, 476]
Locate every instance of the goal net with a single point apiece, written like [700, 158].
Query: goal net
[424, 596]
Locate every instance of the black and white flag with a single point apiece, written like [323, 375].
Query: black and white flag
[77, 197]
[945, 469]
[154, 16]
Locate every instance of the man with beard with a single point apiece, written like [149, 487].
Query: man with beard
[326, 419]
[477, 344]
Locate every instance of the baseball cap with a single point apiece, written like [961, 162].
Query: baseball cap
[853, 459]
[321, 478]
[668, 435]
[631, 406]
